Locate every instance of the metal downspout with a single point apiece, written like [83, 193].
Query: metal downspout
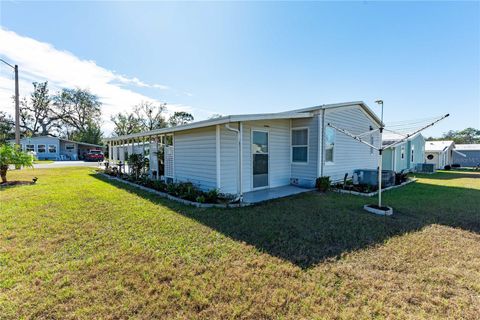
[240, 162]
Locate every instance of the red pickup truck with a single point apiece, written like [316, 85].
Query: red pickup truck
[94, 155]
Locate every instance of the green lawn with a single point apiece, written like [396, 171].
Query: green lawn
[43, 161]
[77, 246]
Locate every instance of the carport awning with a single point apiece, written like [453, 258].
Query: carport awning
[459, 153]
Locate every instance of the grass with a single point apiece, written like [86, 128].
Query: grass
[43, 161]
[78, 246]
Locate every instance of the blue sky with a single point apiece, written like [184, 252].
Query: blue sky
[422, 59]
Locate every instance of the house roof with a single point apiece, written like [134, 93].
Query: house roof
[438, 146]
[389, 137]
[467, 147]
[292, 114]
[65, 140]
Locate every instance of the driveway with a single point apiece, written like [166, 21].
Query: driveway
[61, 164]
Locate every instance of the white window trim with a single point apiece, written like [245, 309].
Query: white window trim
[52, 145]
[402, 152]
[330, 163]
[300, 145]
[44, 147]
[32, 148]
[268, 157]
[412, 153]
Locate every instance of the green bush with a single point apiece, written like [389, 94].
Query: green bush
[322, 183]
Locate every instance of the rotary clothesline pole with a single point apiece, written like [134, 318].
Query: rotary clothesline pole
[381, 147]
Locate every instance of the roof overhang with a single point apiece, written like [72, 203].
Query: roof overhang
[213, 122]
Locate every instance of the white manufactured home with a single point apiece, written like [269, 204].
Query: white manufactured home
[439, 153]
[239, 154]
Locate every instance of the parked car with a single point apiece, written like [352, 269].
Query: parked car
[94, 155]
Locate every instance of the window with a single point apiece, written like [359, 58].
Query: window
[52, 148]
[69, 146]
[413, 152]
[329, 144]
[40, 148]
[403, 152]
[300, 145]
[30, 148]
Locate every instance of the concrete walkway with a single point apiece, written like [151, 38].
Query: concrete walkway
[62, 164]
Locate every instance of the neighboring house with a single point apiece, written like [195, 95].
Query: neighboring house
[241, 153]
[404, 156]
[439, 153]
[53, 148]
[467, 155]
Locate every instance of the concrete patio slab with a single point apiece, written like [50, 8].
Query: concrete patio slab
[272, 193]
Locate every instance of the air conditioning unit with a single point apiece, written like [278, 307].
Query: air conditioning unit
[425, 168]
[370, 177]
[302, 183]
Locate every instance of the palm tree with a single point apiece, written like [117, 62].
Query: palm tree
[12, 155]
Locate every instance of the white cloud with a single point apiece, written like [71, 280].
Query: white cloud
[40, 61]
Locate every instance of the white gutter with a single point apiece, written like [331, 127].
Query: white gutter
[240, 157]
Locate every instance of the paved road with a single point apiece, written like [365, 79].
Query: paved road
[62, 164]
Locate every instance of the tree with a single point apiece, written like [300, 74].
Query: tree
[465, 136]
[6, 127]
[12, 156]
[145, 117]
[93, 134]
[36, 115]
[125, 124]
[179, 118]
[150, 116]
[79, 112]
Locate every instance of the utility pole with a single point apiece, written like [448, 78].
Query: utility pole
[17, 108]
[17, 103]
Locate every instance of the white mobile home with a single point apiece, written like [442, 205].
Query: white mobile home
[439, 153]
[54, 148]
[242, 153]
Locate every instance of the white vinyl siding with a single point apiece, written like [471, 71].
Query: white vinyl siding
[350, 154]
[195, 157]
[307, 170]
[229, 160]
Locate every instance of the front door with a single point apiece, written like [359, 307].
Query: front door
[260, 158]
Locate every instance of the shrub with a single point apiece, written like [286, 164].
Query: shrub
[12, 155]
[322, 183]
[448, 167]
[212, 196]
[200, 199]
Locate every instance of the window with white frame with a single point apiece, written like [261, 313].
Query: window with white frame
[300, 145]
[69, 146]
[29, 148]
[41, 148]
[402, 152]
[412, 153]
[52, 148]
[329, 144]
